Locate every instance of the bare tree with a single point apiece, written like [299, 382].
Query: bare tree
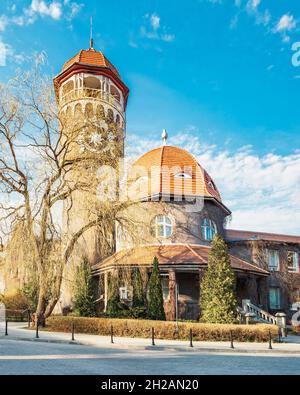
[39, 170]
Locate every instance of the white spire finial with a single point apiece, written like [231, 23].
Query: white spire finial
[91, 34]
[164, 136]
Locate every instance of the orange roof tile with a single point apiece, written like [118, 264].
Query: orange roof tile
[237, 235]
[159, 167]
[172, 254]
[92, 58]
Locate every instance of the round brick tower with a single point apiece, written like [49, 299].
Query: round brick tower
[92, 101]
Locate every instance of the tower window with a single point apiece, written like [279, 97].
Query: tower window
[91, 83]
[115, 93]
[163, 226]
[208, 229]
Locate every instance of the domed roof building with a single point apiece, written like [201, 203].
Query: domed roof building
[176, 210]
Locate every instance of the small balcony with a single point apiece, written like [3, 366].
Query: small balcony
[90, 93]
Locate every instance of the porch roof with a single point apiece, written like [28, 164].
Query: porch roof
[171, 254]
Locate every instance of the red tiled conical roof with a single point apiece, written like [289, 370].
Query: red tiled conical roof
[91, 57]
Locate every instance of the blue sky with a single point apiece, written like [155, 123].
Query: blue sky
[218, 75]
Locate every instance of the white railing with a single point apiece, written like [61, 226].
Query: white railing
[90, 93]
[261, 314]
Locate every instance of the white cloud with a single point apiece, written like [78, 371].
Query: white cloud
[155, 21]
[40, 7]
[262, 191]
[154, 30]
[3, 22]
[4, 51]
[286, 23]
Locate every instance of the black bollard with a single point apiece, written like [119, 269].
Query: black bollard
[37, 330]
[231, 340]
[73, 331]
[270, 341]
[191, 337]
[6, 324]
[153, 340]
[111, 334]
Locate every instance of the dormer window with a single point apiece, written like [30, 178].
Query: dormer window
[183, 175]
[208, 229]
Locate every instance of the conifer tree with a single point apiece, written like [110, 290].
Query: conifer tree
[155, 295]
[113, 302]
[138, 299]
[84, 303]
[217, 289]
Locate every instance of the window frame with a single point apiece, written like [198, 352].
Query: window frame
[295, 268]
[210, 226]
[273, 268]
[276, 306]
[164, 226]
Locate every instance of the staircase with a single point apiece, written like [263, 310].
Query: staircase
[260, 315]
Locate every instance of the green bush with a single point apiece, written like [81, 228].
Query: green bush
[163, 329]
[84, 290]
[15, 301]
[16, 305]
[296, 330]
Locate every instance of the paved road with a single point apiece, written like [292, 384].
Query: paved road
[24, 357]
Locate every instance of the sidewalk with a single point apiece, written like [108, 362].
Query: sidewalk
[18, 331]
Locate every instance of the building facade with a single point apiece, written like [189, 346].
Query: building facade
[175, 208]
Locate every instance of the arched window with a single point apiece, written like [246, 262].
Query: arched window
[208, 229]
[115, 93]
[163, 226]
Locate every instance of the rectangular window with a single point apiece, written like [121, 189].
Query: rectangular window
[273, 260]
[293, 261]
[165, 287]
[274, 298]
[125, 293]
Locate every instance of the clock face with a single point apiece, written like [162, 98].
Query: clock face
[98, 139]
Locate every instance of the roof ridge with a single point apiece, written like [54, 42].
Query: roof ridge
[194, 252]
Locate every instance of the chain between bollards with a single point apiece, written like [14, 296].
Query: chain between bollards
[153, 336]
[191, 337]
[111, 334]
[231, 340]
[73, 331]
[6, 325]
[270, 341]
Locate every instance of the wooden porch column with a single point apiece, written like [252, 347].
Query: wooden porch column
[172, 293]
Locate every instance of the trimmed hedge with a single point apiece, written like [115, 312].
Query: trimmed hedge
[296, 330]
[163, 329]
